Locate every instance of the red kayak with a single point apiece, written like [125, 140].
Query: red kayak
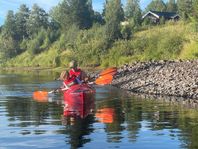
[79, 100]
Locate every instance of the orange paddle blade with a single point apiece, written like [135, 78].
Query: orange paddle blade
[41, 96]
[110, 71]
[103, 80]
[105, 115]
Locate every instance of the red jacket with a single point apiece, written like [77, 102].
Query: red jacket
[69, 81]
[77, 74]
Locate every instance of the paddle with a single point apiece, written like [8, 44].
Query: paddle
[110, 71]
[42, 96]
[104, 80]
[105, 77]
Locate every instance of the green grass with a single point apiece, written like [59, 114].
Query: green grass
[170, 42]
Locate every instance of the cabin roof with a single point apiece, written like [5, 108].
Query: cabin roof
[158, 14]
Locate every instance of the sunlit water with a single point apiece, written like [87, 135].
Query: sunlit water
[117, 120]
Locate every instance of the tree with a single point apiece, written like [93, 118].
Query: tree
[114, 14]
[8, 47]
[156, 5]
[9, 44]
[171, 6]
[21, 22]
[195, 10]
[38, 19]
[133, 11]
[73, 12]
[97, 18]
[195, 14]
[185, 8]
[9, 28]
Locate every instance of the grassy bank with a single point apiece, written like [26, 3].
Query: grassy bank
[170, 41]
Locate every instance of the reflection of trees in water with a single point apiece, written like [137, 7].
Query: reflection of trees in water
[79, 130]
[114, 129]
[180, 121]
[27, 112]
[131, 111]
[133, 116]
[14, 77]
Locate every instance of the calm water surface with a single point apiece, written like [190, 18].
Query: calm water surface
[116, 121]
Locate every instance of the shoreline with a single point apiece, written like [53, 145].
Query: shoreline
[169, 78]
[29, 68]
[159, 78]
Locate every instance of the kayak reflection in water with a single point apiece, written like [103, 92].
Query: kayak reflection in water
[77, 109]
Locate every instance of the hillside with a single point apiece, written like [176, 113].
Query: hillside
[167, 42]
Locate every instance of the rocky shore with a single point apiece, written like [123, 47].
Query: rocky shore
[170, 78]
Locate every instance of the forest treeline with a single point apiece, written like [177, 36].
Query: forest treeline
[117, 35]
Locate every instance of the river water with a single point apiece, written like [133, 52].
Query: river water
[117, 120]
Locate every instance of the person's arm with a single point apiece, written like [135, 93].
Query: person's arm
[84, 77]
[64, 87]
[79, 81]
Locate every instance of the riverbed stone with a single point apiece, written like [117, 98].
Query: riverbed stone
[173, 78]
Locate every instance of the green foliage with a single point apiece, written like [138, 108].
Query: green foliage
[195, 14]
[68, 39]
[153, 44]
[9, 28]
[163, 44]
[90, 46]
[185, 8]
[190, 51]
[39, 43]
[8, 47]
[119, 54]
[21, 22]
[97, 18]
[73, 12]
[171, 6]
[114, 14]
[156, 5]
[126, 32]
[37, 19]
[162, 21]
[75, 31]
[133, 11]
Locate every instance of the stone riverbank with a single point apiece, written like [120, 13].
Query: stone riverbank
[170, 78]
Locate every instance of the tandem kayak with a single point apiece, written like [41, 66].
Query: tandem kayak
[79, 100]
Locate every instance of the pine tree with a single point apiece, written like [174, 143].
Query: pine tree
[195, 14]
[195, 10]
[185, 8]
[114, 14]
[156, 5]
[38, 19]
[171, 6]
[74, 12]
[21, 21]
[133, 11]
[9, 45]
[9, 28]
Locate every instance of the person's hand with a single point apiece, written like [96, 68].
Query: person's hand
[58, 90]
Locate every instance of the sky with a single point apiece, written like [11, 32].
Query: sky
[14, 5]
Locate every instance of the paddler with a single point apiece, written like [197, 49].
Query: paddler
[67, 80]
[74, 71]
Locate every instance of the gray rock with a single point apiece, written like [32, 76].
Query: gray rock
[174, 78]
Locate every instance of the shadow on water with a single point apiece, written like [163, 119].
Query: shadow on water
[118, 119]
